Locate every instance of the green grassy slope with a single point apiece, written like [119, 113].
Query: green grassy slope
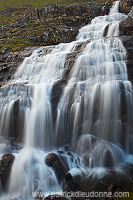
[4, 4]
[12, 37]
[21, 3]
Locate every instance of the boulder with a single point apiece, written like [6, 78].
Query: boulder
[128, 44]
[108, 160]
[69, 185]
[99, 180]
[126, 27]
[9, 62]
[125, 6]
[105, 9]
[6, 162]
[58, 164]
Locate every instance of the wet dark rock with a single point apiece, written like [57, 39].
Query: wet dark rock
[112, 172]
[108, 159]
[125, 6]
[15, 143]
[107, 181]
[56, 93]
[105, 9]
[60, 152]
[126, 27]
[69, 185]
[59, 85]
[9, 63]
[128, 44]
[62, 34]
[6, 162]
[58, 164]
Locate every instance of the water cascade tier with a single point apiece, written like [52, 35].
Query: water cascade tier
[74, 95]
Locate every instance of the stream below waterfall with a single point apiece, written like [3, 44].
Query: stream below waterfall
[73, 96]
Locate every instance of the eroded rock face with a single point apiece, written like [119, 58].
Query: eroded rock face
[126, 27]
[6, 162]
[125, 6]
[128, 44]
[104, 181]
[69, 185]
[58, 164]
[9, 61]
[77, 10]
[62, 34]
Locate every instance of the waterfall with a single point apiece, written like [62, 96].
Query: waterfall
[93, 111]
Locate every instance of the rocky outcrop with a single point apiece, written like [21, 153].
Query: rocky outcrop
[59, 85]
[9, 61]
[105, 181]
[58, 164]
[6, 162]
[128, 44]
[55, 35]
[69, 185]
[125, 6]
[126, 31]
[126, 27]
[76, 10]
[59, 23]
[105, 9]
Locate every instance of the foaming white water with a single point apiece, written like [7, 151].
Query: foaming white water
[98, 84]
[31, 178]
[101, 26]
[29, 95]
[90, 115]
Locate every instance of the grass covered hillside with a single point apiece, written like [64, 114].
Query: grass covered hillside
[22, 3]
[26, 23]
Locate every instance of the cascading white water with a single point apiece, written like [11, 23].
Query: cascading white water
[89, 112]
[98, 82]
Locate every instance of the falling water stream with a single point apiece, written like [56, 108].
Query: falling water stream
[93, 112]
